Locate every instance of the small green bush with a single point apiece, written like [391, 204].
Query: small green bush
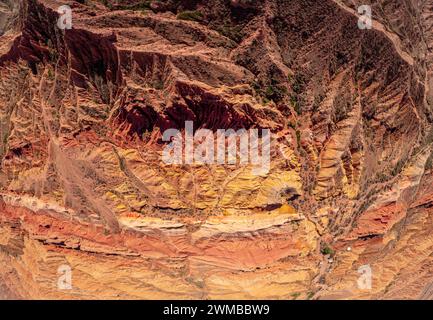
[50, 75]
[299, 83]
[294, 100]
[234, 33]
[298, 137]
[327, 250]
[429, 162]
[295, 295]
[190, 16]
[275, 92]
[310, 295]
[292, 125]
[399, 167]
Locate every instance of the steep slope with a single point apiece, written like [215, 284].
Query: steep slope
[82, 112]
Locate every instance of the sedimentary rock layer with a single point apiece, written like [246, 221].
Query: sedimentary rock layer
[83, 184]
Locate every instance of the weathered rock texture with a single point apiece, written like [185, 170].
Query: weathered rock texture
[83, 183]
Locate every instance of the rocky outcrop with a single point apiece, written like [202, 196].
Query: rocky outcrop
[82, 112]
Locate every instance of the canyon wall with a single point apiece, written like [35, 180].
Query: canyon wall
[82, 112]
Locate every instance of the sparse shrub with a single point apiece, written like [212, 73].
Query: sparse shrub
[269, 92]
[399, 167]
[341, 112]
[234, 33]
[327, 250]
[295, 295]
[53, 55]
[106, 3]
[275, 92]
[190, 16]
[158, 85]
[294, 100]
[292, 125]
[50, 74]
[298, 83]
[256, 86]
[298, 137]
[382, 177]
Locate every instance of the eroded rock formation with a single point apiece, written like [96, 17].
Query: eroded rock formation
[82, 112]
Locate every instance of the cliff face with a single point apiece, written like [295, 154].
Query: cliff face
[82, 112]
